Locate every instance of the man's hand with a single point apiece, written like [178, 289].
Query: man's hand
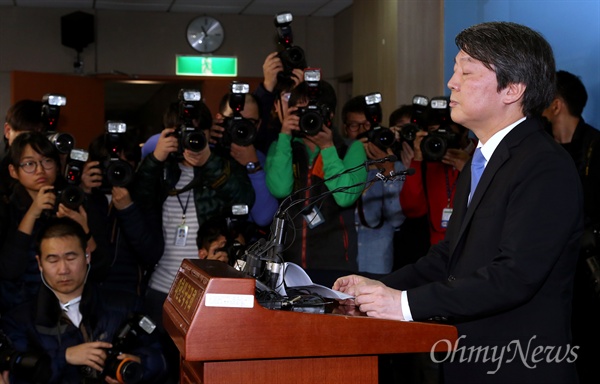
[45, 199]
[290, 122]
[91, 177]
[372, 297]
[215, 132]
[407, 154]
[243, 154]
[374, 153]
[197, 159]
[417, 145]
[91, 354]
[323, 139]
[456, 158]
[166, 144]
[271, 67]
[121, 198]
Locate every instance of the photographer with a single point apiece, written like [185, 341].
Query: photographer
[321, 237]
[136, 238]
[67, 320]
[248, 156]
[430, 191]
[217, 241]
[34, 164]
[582, 142]
[378, 212]
[187, 186]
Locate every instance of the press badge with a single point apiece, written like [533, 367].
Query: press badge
[446, 213]
[181, 235]
[314, 218]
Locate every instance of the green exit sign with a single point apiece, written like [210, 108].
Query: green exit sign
[206, 66]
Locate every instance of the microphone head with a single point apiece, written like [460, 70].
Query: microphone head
[410, 171]
[392, 158]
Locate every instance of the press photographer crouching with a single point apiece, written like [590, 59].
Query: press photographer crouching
[68, 321]
[439, 149]
[35, 166]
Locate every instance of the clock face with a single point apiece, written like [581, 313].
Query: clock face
[205, 34]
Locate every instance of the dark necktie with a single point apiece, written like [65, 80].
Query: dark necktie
[477, 167]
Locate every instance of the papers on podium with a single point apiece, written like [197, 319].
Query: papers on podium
[295, 277]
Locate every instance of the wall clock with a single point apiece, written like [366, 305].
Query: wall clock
[205, 34]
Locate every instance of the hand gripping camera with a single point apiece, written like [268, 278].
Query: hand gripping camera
[51, 104]
[238, 129]
[190, 137]
[315, 114]
[127, 371]
[437, 142]
[291, 55]
[379, 135]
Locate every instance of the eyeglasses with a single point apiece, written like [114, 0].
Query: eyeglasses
[31, 166]
[353, 126]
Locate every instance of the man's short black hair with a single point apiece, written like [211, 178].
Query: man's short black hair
[60, 227]
[25, 115]
[399, 113]
[325, 95]
[570, 88]
[517, 54]
[357, 104]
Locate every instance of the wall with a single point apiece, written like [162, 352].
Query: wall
[571, 27]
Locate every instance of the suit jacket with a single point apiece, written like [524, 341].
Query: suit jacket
[504, 272]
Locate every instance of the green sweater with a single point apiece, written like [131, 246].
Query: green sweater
[280, 175]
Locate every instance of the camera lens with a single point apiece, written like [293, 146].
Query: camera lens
[311, 123]
[63, 142]
[433, 147]
[119, 173]
[408, 132]
[126, 371]
[243, 132]
[72, 197]
[194, 141]
[296, 57]
[383, 137]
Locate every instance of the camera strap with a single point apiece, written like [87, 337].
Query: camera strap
[361, 214]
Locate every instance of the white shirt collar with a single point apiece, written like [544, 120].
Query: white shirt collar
[487, 149]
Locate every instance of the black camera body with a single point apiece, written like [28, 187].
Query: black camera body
[115, 171]
[127, 371]
[50, 113]
[379, 135]
[436, 143]
[28, 366]
[238, 129]
[189, 136]
[315, 114]
[292, 56]
[72, 196]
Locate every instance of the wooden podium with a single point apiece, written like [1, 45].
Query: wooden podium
[225, 336]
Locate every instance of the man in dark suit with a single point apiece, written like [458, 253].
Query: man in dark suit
[504, 272]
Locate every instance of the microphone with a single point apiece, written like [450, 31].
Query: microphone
[390, 158]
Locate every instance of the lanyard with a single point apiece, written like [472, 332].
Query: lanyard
[449, 188]
[184, 208]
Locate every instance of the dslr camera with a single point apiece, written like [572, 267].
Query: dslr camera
[51, 104]
[238, 129]
[127, 371]
[72, 196]
[115, 171]
[28, 366]
[437, 142]
[418, 119]
[189, 136]
[315, 114]
[291, 55]
[379, 135]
